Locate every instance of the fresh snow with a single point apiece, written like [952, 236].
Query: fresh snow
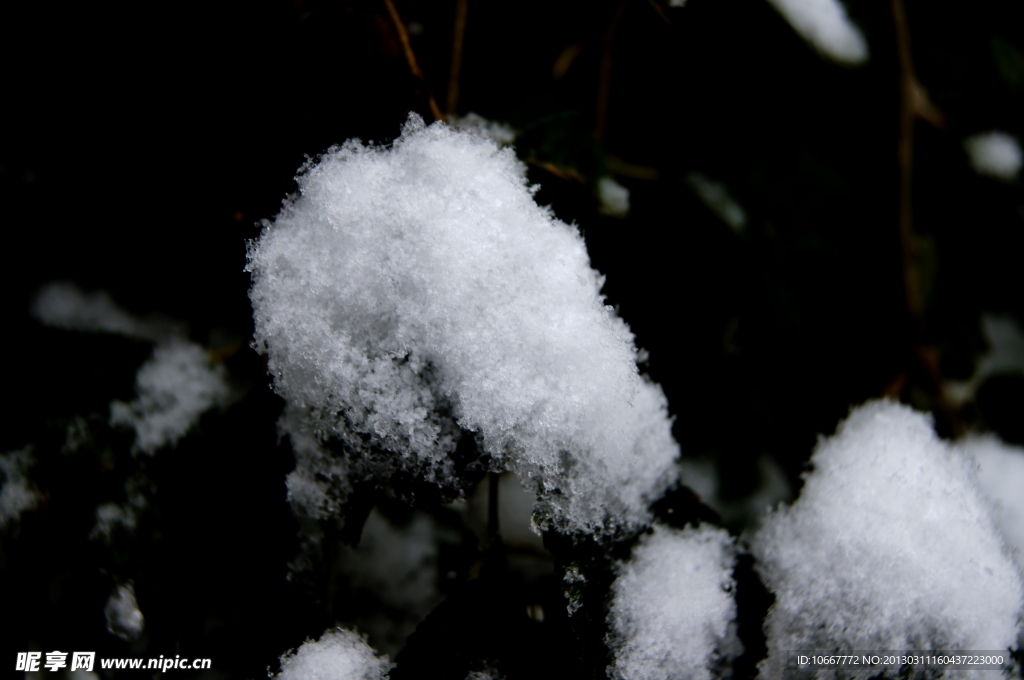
[994, 154]
[174, 387]
[890, 546]
[412, 293]
[672, 614]
[824, 24]
[338, 655]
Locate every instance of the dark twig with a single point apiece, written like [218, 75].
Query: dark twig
[410, 57]
[455, 72]
[914, 105]
[905, 151]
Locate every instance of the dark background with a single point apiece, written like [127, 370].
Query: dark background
[143, 142]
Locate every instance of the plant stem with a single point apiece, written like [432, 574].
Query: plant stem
[410, 57]
[454, 73]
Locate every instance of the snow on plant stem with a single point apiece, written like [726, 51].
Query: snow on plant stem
[412, 293]
[890, 546]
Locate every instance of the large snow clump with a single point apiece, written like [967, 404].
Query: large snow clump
[825, 25]
[673, 612]
[410, 294]
[890, 546]
[338, 655]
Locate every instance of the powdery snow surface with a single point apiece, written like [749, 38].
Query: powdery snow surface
[174, 387]
[338, 655]
[16, 496]
[124, 619]
[890, 546]
[824, 24]
[673, 609]
[994, 154]
[1001, 478]
[408, 293]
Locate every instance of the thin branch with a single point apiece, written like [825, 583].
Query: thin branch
[604, 81]
[410, 57]
[455, 72]
[905, 152]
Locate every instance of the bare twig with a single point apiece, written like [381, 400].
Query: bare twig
[454, 73]
[905, 152]
[410, 57]
[914, 105]
[604, 81]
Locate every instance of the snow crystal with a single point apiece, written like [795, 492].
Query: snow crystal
[994, 154]
[614, 197]
[16, 496]
[717, 198]
[64, 305]
[673, 612]
[1001, 479]
[124, 619]
[409, 294]
[175, 387]
[501, 133]
[824, 24]
[398, 566]
[338, 655]
[889, 546]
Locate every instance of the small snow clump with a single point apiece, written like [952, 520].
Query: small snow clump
[16, 494]
[824, 24]
[1001, 479]
[63, 304]
[673, 611]
[338, 655]
[613, 197]
[124, 619]
[889, 546]
[175, 387]
[411, 295]
[717, 198]
[994, 154]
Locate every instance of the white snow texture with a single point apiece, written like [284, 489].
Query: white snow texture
[124, 619]
[174, 387]
[338, 655]
[16, 496]
[673, 609]
[994, 154]
[824, 24]
[412, 292]
[1001, 479]
[890, 546]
